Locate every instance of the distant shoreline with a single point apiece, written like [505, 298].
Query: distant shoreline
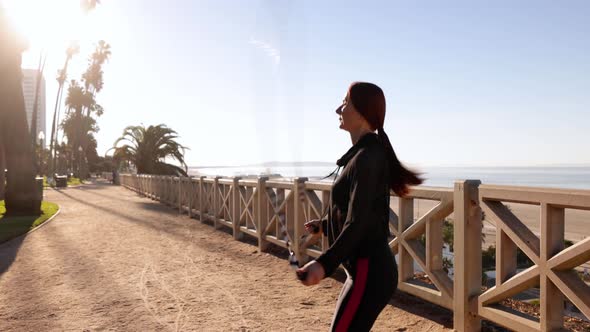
[327, 164]
[276, 164]
[567, 177]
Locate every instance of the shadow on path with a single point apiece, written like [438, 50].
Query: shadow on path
[8, 252]
[16, 229]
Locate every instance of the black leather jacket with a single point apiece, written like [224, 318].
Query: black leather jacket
[358, 223]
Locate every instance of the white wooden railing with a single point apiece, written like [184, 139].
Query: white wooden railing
[553, 270]
[263, 209]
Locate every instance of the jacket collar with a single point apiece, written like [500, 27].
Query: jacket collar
[364, 141]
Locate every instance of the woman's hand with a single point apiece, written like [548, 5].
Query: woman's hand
[314, 226]
[315, 273]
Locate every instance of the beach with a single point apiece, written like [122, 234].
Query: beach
[577, 222]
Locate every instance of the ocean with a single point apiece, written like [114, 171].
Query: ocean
[554, 177]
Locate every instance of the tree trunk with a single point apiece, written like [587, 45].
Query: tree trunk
[51, 167]
[52, 138]
[2, 173]
[54, 128]
[33, 131]
[21, 196]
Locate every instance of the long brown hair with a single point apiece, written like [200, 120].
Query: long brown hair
[369, 101]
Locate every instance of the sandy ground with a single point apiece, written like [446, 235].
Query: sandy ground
[114, 261]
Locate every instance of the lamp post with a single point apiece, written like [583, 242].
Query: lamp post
[41, 137]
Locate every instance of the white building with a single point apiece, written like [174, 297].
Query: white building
[29, 85]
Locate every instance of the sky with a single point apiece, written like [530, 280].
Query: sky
[467, 83]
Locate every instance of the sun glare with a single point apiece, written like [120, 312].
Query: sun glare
[48, 25]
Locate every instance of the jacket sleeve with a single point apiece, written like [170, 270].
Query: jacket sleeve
[360, 218]
[325, 227]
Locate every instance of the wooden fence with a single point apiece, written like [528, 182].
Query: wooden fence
[265, 209]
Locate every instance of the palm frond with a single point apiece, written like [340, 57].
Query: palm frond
[149, 147]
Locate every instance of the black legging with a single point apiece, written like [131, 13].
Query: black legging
[370, 284]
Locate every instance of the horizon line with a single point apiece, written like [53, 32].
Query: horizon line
[411, 165]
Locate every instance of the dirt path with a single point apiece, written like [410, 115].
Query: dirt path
[114, 261]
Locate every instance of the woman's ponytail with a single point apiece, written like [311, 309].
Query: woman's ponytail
[400, 178]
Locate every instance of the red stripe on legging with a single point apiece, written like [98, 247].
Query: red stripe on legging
[358, 289]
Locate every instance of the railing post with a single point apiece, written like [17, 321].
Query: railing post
[325, 205]
[191, 193]
[406, 219]
[179, 197]
[235, 204]
[216, 205]
[552, 242]
[162, 189]
[172, 190]
[158, 188]
[299, 218]
[151, 185]
[166, 190]
[169, 188]
[262, 215]
[201, 193]
[467, 249]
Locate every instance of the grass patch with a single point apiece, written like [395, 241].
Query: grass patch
[71, 182]
[11, 227]
[74, 182]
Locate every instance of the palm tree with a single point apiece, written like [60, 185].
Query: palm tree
[63, 157]
[78, 98]
[76, 125]
[71, 127]
[93, 76]
[93, 83]
[61, 78]
[21, 196]
[74, 48]
[147, 149]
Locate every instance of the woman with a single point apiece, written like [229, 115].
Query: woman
[358, 224]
